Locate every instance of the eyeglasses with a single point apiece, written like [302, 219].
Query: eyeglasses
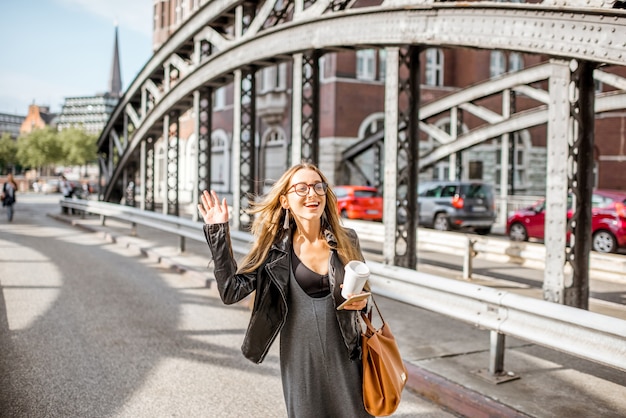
[302, 189]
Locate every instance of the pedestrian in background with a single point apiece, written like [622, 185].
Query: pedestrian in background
[9, 189]
[296, 267]
[66, 189]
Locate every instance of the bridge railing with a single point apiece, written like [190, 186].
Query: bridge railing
[501, 250]
[584, 334]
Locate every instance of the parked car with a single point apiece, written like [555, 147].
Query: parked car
[50, 186]
[359, 202]
[608, 221]
[447, 205]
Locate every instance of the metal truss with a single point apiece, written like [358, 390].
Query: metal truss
[248, 187]
[131, 185]
[310, 106]
[172, 157]
[205, 125]
[593, 33]
[408, 158]
[148, 180]
[580, 184]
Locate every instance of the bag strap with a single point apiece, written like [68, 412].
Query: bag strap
[367, 318]
[377, 309]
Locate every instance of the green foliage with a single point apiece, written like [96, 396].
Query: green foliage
[47, 147]
[79, 147]
[8, 152]
[40, 148]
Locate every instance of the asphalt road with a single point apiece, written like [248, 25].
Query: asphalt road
[89, 328]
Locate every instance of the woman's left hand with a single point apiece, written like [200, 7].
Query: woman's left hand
[357, 305]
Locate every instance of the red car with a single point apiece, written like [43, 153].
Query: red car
[608, 221]
[359, 202]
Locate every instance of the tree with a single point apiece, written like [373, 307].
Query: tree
[79, 147]
[39, 149]
[8, 152]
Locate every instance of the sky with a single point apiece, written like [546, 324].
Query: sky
[52, 49]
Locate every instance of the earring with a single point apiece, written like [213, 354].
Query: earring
[286, 222]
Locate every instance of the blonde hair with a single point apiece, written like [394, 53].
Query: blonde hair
[267, 226]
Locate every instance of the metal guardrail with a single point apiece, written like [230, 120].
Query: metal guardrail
[501, 250]
[581, 333]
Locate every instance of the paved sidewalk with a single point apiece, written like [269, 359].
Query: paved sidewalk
[443, 356]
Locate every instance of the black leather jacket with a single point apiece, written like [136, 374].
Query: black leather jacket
[271, 284]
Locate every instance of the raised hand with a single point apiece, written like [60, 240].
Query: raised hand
[212, 211]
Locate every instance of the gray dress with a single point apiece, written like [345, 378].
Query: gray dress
[319, 379]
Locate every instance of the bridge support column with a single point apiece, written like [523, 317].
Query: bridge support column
[401, 155]
[295, 142]
[172, 141]
[581, 182]
[247, 146]
[390, 176]
[310, 109]
[570, 172]
[147, 177]
[203, 106]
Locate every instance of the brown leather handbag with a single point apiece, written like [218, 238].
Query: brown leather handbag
[384, 374]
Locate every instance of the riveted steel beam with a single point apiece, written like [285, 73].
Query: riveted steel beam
[310, 107]
[248, 187]
[408, 158]
[172, 144]
[204, 122]
[580, 181]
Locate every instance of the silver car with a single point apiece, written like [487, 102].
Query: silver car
[447, 205]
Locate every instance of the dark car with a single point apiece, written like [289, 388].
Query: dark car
[359, 202]
[608, 221]
[447, 205]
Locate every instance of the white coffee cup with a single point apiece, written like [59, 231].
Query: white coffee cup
[356, 274]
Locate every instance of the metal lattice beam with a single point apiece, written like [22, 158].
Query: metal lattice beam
[171, 189]
[248, 186]
[408, 158]
[580, 181]
[148, 181]
[310, 106]
[205, 127]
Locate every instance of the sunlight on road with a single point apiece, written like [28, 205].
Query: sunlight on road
[28, 293]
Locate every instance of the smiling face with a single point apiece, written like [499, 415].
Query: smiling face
[309, 207]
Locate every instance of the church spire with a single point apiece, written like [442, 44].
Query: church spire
[115, 81]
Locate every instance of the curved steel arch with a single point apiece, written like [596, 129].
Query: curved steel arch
[602, 40]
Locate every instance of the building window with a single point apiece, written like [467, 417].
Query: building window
[475, 170]
[366, 64]
[274, 78]
[382, 64]
[163, 15]
[434, 67]
[516, 62]
[219, 98]
[497, 64]
[178, 13]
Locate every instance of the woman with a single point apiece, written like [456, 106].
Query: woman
[296, 267]
[9, 188]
